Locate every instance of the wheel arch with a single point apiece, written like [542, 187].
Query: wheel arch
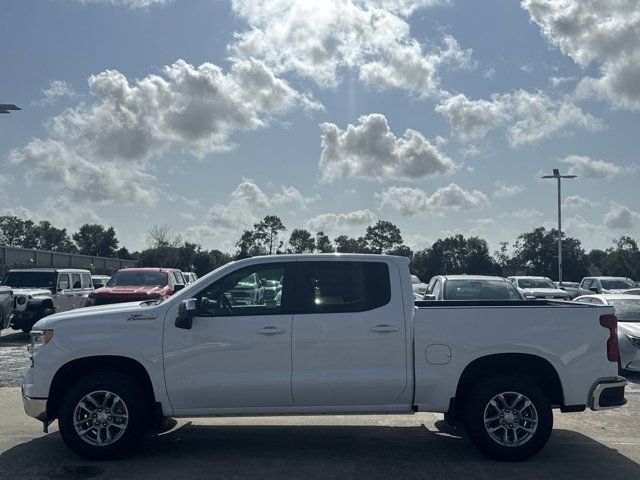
[81, 367]
[524, 365]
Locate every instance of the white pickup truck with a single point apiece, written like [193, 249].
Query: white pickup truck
[344, 336]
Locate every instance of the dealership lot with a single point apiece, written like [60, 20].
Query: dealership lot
[585, 445]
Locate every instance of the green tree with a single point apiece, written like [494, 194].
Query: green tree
[401, 251]
[52, 238]
[623, 260]
[323, 243]
[383, 236]
[454, 255]
[249, 245]
[267, 232]
[95, 239]
[12, 231]
[536, 253]
[301, 241]
[346, 244]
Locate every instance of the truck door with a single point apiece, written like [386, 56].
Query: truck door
[235, 355]
[64, 294]
[349, 336]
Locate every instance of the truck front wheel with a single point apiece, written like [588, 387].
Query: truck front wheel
[103, 416]
[508, 418]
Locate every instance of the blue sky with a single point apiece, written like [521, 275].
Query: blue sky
[205, 115]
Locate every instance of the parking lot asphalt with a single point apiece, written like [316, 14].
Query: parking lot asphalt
[583, 445]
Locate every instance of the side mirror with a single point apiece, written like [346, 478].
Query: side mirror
[177, 287]
[186, 311]
[429, 296]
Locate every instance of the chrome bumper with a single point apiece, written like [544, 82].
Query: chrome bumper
[608, 393]
[35, 407]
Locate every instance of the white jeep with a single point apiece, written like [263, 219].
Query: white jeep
[39, 292]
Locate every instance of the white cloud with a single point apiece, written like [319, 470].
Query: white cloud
[370, 150]
[133, 4]
[62, 212]
[241, 209]
[56, 90]
[591, 168]
[319, 40]
[620, 217]
[502, 190]
[473, 118]
[409, 201]
[598, 32]
[530, 117]
[557, 81]
[341, 222]
[576, 201]
[104, 148]
[525, 213]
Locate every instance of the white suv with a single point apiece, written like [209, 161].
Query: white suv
[39, 292]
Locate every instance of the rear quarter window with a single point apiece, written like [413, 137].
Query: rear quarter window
[341, 287]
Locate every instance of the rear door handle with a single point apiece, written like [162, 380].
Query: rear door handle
[271, 331]
[384, 328]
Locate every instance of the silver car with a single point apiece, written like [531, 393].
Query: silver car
[627, 309]
[539, 287]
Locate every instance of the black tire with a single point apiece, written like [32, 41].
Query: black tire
[478, 401]
[137, 406]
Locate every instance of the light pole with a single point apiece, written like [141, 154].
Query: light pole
[556, 174]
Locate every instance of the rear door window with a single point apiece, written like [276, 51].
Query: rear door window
[86, 281]
[336, 287]
[75, 280]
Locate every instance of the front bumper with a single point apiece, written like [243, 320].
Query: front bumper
[607, 393]
[35, 407]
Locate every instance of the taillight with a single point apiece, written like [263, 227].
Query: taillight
[611, 322]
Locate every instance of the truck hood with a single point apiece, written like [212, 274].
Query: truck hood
[545, 292]
[122, 309]
[133, 291]
[34, 292]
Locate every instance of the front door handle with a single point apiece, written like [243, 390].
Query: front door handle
[271, 331]
[384, 328]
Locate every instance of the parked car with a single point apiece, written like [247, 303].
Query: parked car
[572, 288]
[6, 306]
[606, 285]
[627, 308]
[471, 287]
[134, 284]
[419, 287]
[538, 287]
[99, 281]
[346, 338]
[633, 291]
[190, 277]
[248, 291]
[39, 292]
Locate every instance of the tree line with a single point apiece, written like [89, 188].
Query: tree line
[532, 253]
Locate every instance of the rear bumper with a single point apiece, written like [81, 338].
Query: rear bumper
[607, 393]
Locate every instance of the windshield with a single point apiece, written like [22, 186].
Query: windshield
[30, 279]
[617, 284]
[480, 290]
[627, 310]
[535, 283]
[135, 279]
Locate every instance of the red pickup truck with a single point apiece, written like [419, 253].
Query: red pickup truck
[135, 284]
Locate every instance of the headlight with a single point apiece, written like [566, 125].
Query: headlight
[39, 338]
[21, 300]
[635, 341]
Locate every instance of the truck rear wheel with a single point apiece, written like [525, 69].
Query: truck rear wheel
[103, 416]
[508, 418]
